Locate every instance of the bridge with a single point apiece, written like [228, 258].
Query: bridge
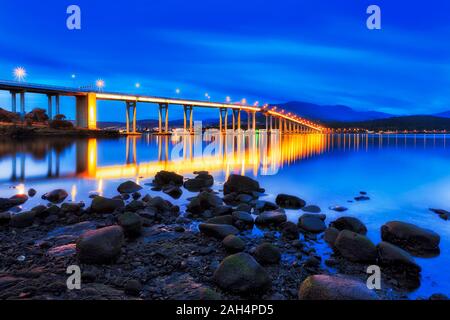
[86, 109]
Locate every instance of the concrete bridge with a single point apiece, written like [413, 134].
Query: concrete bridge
[86, 109]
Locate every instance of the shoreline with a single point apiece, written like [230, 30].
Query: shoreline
[20, 132]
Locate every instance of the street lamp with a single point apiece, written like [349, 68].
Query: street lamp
[138, 85]
[228, 99]
[100, 84]
[177, 91]
[19, 73]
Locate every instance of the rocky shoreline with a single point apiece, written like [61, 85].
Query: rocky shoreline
[24, 132]
[135, 246]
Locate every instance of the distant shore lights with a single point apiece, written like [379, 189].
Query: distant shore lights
[19, 74]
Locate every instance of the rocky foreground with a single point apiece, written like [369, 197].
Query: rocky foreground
[136, 246]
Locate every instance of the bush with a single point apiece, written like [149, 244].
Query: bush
[61, 124]
[7, 116]
[37, 115]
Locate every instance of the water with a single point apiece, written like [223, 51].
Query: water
[404, 175]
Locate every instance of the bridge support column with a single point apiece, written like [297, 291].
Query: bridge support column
[235, 113]
[239, 119]
[50, 107]
[57, 104]
[248, 120]
[13, 102]
[86, 111]
[254, 120]
[223, 114]
[267, 122]
[22, 105]
[131, 106]
[280, 124]
[187, 113]
[271, 127]
[163, 107]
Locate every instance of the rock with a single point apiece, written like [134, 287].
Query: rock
[443, 214]
[101, 246]
[311, 223]
[131, 223]
[5, 217]
[289, 202]
[244, 217]
[311, 209]
[222, 210]
[135, 205]
[22, 220]
[202, 180]
[240, 184]
[233, 244]
[128, 187]
[133, 287]
[331, 235]
[244, 198]
[20, 198]
[261, 206]
[326, 287]
[204, 201]
[56, 196]
[355, 247]
[414, 239]
[136, 195]
[241, 273]
[311, 262]
[6, 204]
[349, 223]
[173, 191]
[218, 231]
[164, 178]
[438, 296]
[362, 198]
[105, 205]
[289, 231]
[338, 208]
[228, 219]
[395, 257]
[267, 253]
[32, 192]
[271, 218]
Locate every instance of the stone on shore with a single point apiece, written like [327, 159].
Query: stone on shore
[311, 223]
[6, 204]
[204, 201]
[289, 231]
[240, 273]
[228, 219]
[349, 223]
[392, 256]
[311, 209]
[202, 180]
[414, 239]
[355, 247]
[240, 184]
[338, 208]
[331, 235]
[22, 220]
[128, 187]
[173, 191]
[262, 205]
[289, 202]
[101, 246]
[271, 218]
[20, 198]
[326, 287]
[5, 217]
[218, 231]
[233, 244]
[131, 223]
[242, 217]
[163, 178]
[267, 253]
[56, 196]
[106, 205]
[32, 192]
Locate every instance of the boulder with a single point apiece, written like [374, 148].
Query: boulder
[311, 223]
[6, 204]
[222, 210]
[289, 231]
[218, 231]
[5, 217]
[326, 287]
[349, 223]
[261, 206]
[101, 246]
[331, 235]
[233, 244]
[240, 273]
[204, 201]
[311, 209]
[228, 219]
[267, 253]
[173, 191]
[240, 184]
[128, 187]
[202, 180]
[355, 247]
[32, 192]
[338, 208]
[20, 198]
[22, 220]
[163, 178]
[131, 223]
[414, 239]
[395, 257]
[271, 218]
[289, 202]
[105, 205]
[243, 217]
[56, 196]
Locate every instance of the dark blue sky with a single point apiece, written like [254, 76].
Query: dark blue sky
[271, 51]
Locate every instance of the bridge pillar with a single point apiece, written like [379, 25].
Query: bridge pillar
[131, 106]
[13, 102]
[270, 119]
[280, 124]
[254, 120]
[50, 108]
[188, 110]
[57, 104]
[86, 111]
[239, 119]
[164, 107]
[267, 122]
[223, 114]
[234, 114]
[22, 105]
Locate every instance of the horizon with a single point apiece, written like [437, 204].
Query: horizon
[330, 58]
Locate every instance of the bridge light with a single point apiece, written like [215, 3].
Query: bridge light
[256, 103]
[100, 84]
[138, 85]
[73, 76]
[177, 91]
[244, 101]
[19, 73]
[228, 99]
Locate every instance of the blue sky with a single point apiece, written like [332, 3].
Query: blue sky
[269, 51]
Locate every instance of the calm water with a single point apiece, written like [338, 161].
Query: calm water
[404, 175]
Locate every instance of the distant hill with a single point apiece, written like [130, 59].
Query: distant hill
[331, 113]
[445, 114]
[410, 123]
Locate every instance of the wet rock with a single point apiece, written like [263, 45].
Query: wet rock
[173, 191]
[133, 287]
[131, 223]
[362, 198]
[326, 287]
[6, 204]
[204, 201]
[5, 217]
[164, 178]
[20, 198]
[311, 262]
[31, 192]
[395, 257]
[438, 296]
[135, 205]
[146, 198]
[22, 220]
[72, 208]
[56, 196]
[245, 198]
[243, 217]
[311, 223]
[136, 195]
[271, 218]
[65, 250]
[443, 214]
[245, 207]
[265, 206]
[105, 205]
[414, 239]
[289, 231]
[202, 180]
[128, 187]
[267, 253]
[289, 202]
[355, 247]
[233, 244]
[218, 231]
[338, 208]
[349, 223]
[241, 273]
[240, 184]
[101, 246]
[222, 210]
[311, 209]
[228, 219]
[331, 235]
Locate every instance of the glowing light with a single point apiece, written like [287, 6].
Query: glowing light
[20, 189]
[73, 76]
[177, 91]
[256, 103]
[244, 101]
[138, 85]
[74, 193]
[228, 99]
[100, 84]
[19, 73]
